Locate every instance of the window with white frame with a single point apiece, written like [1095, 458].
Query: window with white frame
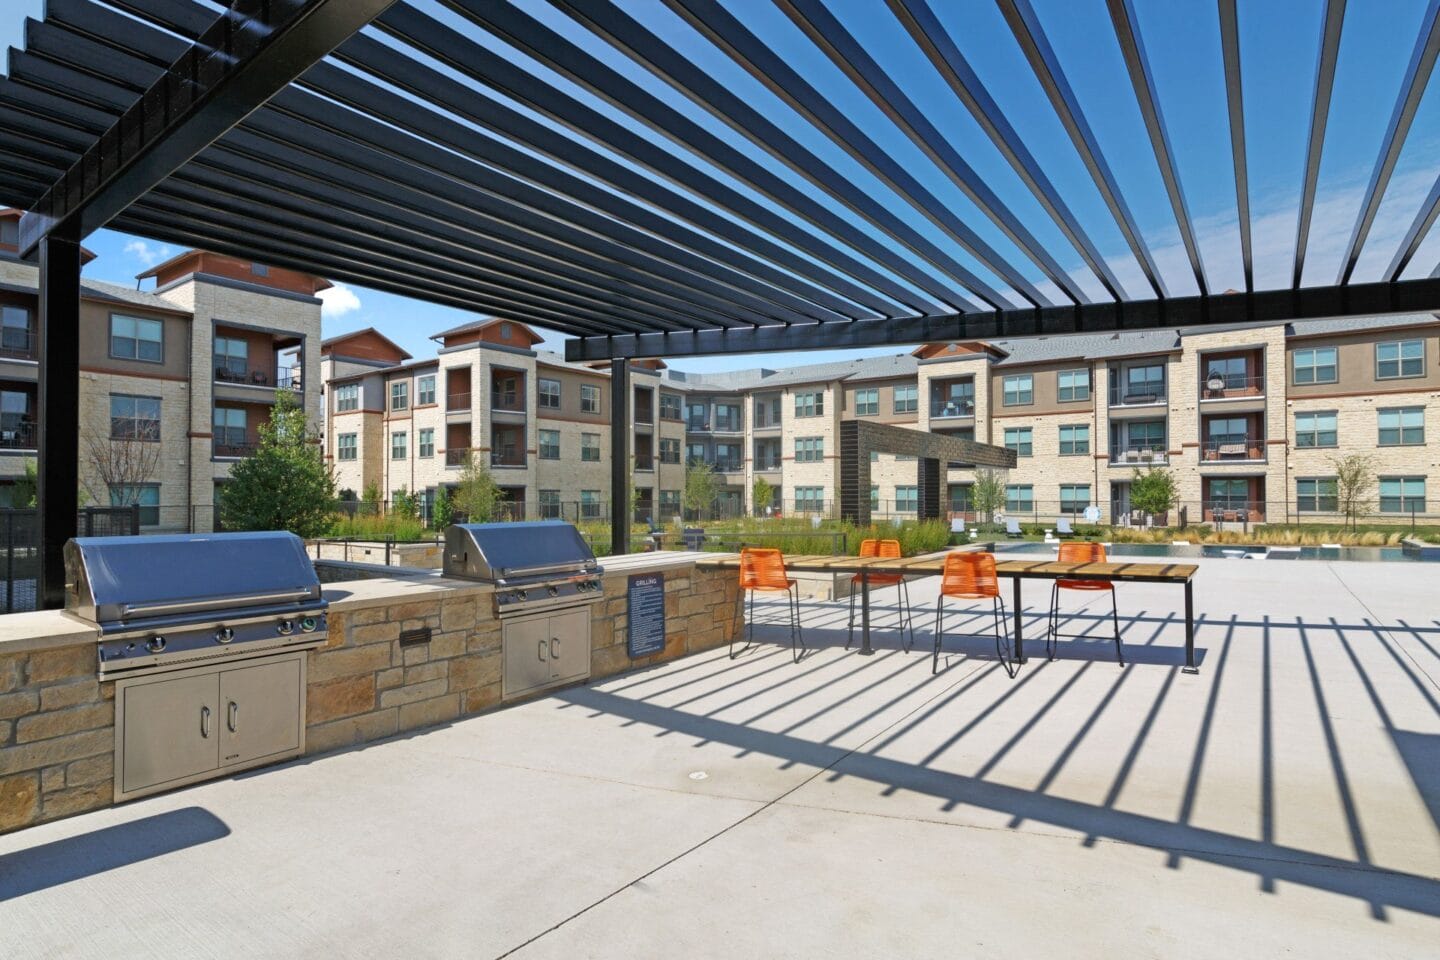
[548, 393]
[669, 450]
[347, 397]
[400, 395]
[810, 404]
[1018, 390]
[907, 399]
[590, 447]
[1072, 385]
[1317, 429]
[146, 496]
[425, 390]
[1315, 365]
[399, 444]
[346, 446]
[1074, 439]
[1019, 440]
[867, 402]
[1019, 498]
[1074, 497]
[1402, 494]
[589, 398]
[874, 498]
[589, 504]
[549, 444]
[134, 418]
[1317, 495]
[810, 499]
[669, 409]
[809, 449]
[549, 504]
[907, 499]
[1397, 359]
[1402, 426]
[425, 443]
[137, 338]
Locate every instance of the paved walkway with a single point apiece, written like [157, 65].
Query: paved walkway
[1284, 802]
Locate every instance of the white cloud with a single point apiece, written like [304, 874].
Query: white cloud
[338, 301]
[147, 254]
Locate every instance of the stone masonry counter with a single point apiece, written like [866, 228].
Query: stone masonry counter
[57, 722]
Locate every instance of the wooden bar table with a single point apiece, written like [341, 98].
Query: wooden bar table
[1182, 574]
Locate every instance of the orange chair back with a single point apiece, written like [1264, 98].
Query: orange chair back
[869, 548]
[1079, 551]
[762, 569]
[970, 576]
[880, 549]
[889, 548]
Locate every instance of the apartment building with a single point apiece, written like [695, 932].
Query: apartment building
[175, 380]
[1249, 419]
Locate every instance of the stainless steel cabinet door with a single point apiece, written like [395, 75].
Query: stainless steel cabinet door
[169, 730]
[526, 648]
[569, 645]
[259, 711]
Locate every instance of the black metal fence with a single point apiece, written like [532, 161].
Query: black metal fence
[20, 553]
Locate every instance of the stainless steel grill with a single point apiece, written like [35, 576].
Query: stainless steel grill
[536, 565]
[163, 602]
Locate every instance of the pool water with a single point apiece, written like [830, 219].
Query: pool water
[1235, 551]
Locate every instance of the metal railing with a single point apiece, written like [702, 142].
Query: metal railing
[457, 456]
[20, 547]
[1132, 395]
[1232, 386]
[290, 381]
[958, 407]
[644, 415]
[17, 344]
[234, 450]
[507, 458]
[19, 437]
[1137, 454]
[510, 401]
[644, 461]
[1236, 449]
[458, 401]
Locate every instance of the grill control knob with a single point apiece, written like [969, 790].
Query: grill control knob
[554, 591]
[520, 594]
[286, 627]
[224, 635]
[155, 644]
[308, 624]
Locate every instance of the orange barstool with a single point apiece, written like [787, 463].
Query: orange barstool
[883, 548]
[1079, 552]
[764, 570]
[971, 576]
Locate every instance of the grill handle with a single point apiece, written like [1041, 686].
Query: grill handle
[588, 566]
[194, 606]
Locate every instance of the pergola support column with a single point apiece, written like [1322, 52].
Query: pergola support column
[928, 481]
[620, 455]
[58, 460]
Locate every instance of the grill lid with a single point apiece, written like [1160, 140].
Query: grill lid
[496, 551]
[113, 580]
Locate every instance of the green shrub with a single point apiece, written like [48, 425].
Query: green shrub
[369, 526]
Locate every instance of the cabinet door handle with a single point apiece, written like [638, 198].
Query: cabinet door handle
[541, 650]
[232, 717]
[205, 722]
[554, 648]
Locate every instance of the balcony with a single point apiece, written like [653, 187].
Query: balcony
[507, 401]
[727, 465]
[644, 461]
[952, 407]
[18, 436]
[290, 381]
[1232, 386]
[457, 456]
[1233, 450]
[17, 343]
[459, 402]
[1136, 454]
[509, 457]
[233, 451]
[1140, 394]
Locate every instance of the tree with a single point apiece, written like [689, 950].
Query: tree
[987, 495]
[404, 504]
[701, 486]
[1152, 491]
[477, 495]
[23, 492]
[370, 500]
[286, 484]
[442, 512]
[122, 464]
[1354, 486]
[762, 493]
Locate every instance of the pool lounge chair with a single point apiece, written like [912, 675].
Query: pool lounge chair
[1063, 528]
[1012, 529]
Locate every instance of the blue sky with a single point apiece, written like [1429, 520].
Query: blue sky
[1279, 43]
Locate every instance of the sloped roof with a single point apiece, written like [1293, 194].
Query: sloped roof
[342, 337]
[1083, 346]
[21, 273]
[1329, 325]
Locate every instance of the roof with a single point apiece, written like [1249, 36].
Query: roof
[479, 325]
[1091, 346]
[1331, 325]
[762, 378]
[342, 337]
[23, 273]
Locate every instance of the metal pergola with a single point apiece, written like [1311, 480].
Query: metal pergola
[376, 142]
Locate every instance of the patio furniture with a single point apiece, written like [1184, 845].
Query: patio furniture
[1080, 553]
[1012, 529]
[971, 576]
[763, 570]
[888, 549]
[1231, 450]
[694, 538]
[1063, 528]
[258, 378]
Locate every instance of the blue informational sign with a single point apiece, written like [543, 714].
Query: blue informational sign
[646, 634]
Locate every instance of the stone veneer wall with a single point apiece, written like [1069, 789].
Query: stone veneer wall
[57, 735]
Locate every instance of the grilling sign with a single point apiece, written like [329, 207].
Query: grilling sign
[646, 623]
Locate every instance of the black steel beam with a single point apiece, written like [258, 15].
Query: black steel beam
[1235, 102]
[1414, 236]
[58, 402]
[1132, 47]
[1412, 88]
[620, 474]
[248, 54]
[1266, 306]
[932, 38]
[1025, 25]
[1330, 31]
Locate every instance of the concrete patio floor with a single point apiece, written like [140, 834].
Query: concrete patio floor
[1284, 801]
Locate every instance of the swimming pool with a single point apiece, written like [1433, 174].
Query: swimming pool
[1220, 551]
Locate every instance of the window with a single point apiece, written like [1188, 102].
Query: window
[17, 422]
[1317, 365]
[134, 418]
[1074, 497]
[809, 449]
[548, 392]
[696, 453]
[1233, 372]
[228, 426]
[589, 398]
[549, 444]
[727, 417]
[669, 450]
[505, 330]
[399, 444]
[767, 411]
[1232, 493]
[10, 232]
[346, 447]
[1395, 359]
[589, 504]
[1074, 439]
[907, 499]
[1072, 385]
[590, 447]
[1316, 429]
[347, 397]
[1402, 494]
[669, 502]
[1402, 426]
[809, 405]
[867, 402]
[15, 331]
[960, 501]
[425, 443]
[1144, 384]
[874, 456]
[874, 498]
[1018, 391]
[907, 399]
[232, 357]
[669, 408]
[549, 504]
[1019, 498]
[1317, 495]
[1018, 439]
[1227, 430]
[134, 338]
[425, 390]
[144, 495]
[259, 270]
[400, 395]
[810, 499]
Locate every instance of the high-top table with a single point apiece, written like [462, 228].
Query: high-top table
[1182, 574]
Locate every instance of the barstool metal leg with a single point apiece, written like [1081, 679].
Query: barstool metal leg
[1115, 620]
[939, 632]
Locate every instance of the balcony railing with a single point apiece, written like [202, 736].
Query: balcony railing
[18, 437]
[17, 344]
[1136, 394]
[457, 456]
[727, 465]
[765, 464]
[290, 381]
[235, 450]
[458, 401]
[954, 407]
[509, 400]
[644, 415]
[697, 425]
[1232, 386]
[507, 458]
[644, 461]
[1234, 511]
[1137, 453]
[1233, 449]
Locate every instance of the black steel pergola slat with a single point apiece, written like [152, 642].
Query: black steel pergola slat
[1319, 118]
[1415, 235]
[575, 64]
[1034, 43]
[1412, 88]
[1235, 103]
[241, 60]
[1127, 32]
